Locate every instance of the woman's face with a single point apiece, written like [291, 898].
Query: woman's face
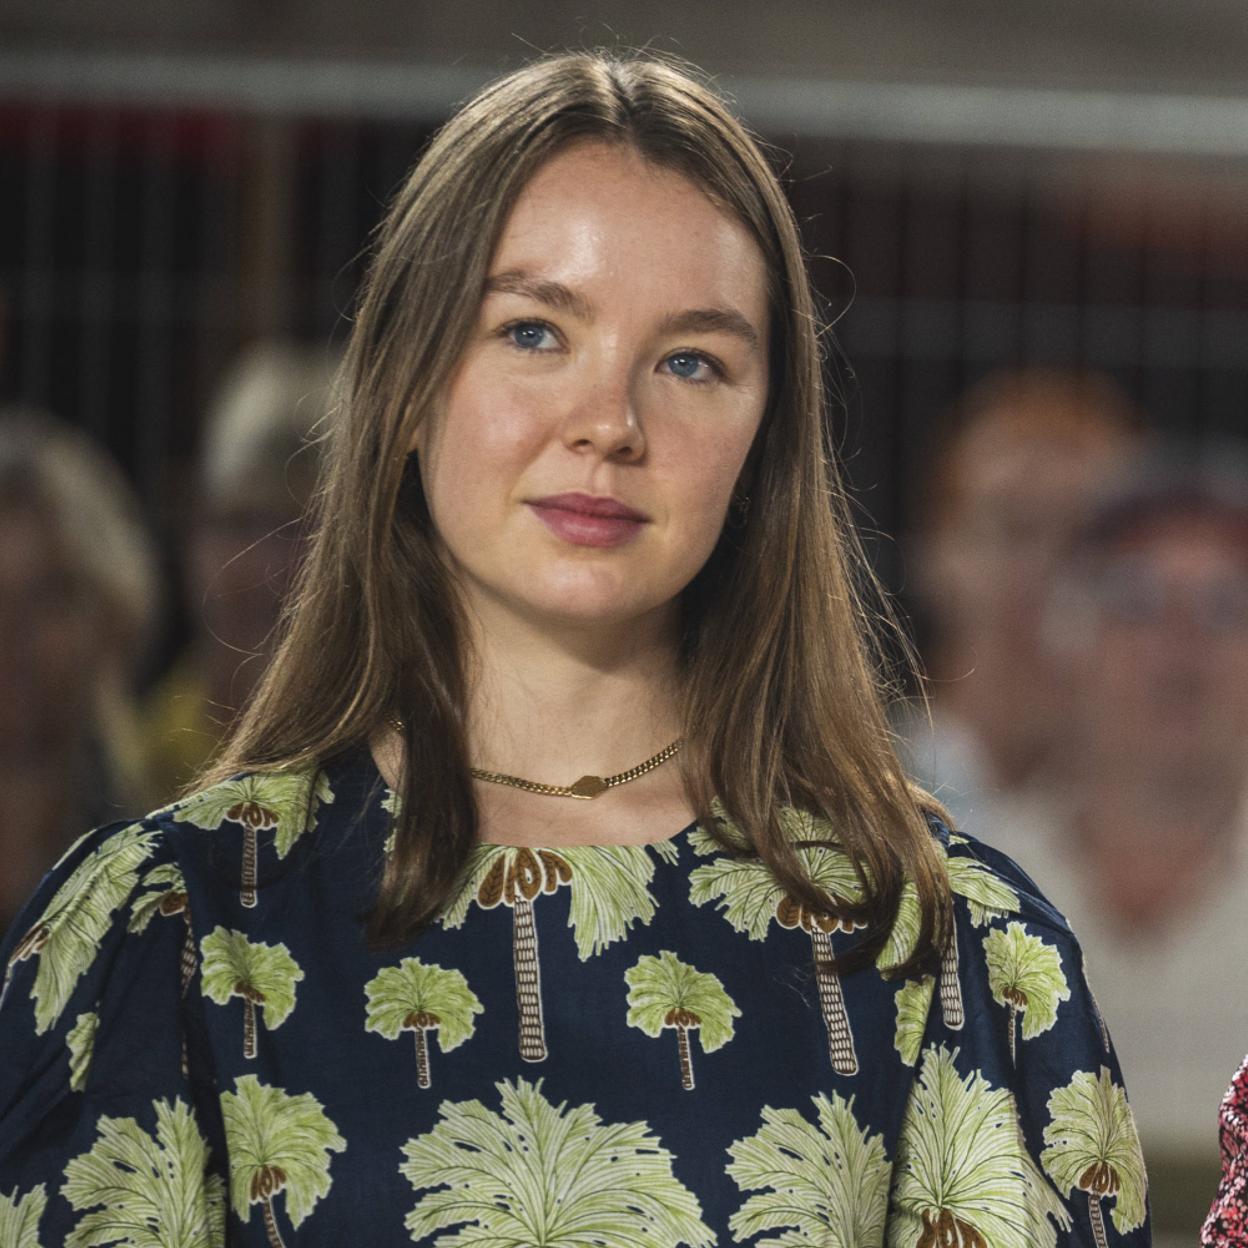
[580, 465]
[1164, 677]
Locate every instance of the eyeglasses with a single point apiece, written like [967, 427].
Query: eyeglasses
[1134, 592]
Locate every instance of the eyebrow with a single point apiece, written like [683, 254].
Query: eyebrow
[557, 295]
[712, 321]
[553, 294]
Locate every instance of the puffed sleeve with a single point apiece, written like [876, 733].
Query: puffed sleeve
[104, 1122]
[1227, 1223]
[1017, 1133]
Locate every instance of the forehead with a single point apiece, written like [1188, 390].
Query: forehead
[596, 213]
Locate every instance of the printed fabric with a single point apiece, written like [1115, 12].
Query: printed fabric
[1227, 1224]
[617, 1046]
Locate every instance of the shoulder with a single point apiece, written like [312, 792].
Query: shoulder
[1015, 950]
[992, 899]
[987, 883]
[96, 874]
[1234, 1114]
[87, 956]
[67, 928]
[241, 836]
[94, 1013]
[107, 888]
[286, 801]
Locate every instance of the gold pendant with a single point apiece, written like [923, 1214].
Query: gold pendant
[588, 787]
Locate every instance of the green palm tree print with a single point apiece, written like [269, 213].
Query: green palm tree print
[666, 992]
[278, 1145]
[166, 895]
[1093, 1148]
[914, 1000]
[19, 1219]
[67, 936]
[546, 1176]
[163, 892]
[986, 897]
[145, 1190]
[825, 1183]
[963, 1173]
[285, 801]
[419, 997]
[1025, 974]
[81, 1044]
[610, 892]
[750, 898]
[260, 974]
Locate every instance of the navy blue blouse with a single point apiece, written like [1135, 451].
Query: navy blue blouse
[595, 1047]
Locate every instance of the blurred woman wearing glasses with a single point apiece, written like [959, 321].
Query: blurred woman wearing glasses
[1141, 835]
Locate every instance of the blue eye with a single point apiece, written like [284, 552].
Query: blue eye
[690, 366]
[530, 336]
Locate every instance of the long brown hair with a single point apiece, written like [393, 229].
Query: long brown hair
[782, 677]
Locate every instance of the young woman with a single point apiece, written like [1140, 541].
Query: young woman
[394, 973]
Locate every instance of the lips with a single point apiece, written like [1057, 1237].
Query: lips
[587, 520]
[591, 505]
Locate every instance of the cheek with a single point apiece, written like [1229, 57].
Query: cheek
[708, 460]
[708, 502]
[701, 475]
[476, 446]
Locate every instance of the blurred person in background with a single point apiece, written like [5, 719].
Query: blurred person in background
[1009, 486]
[1140, 836]
[78, 600]
[256, 471]
[1227, 1223]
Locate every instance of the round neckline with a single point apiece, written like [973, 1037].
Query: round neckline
[376, 779]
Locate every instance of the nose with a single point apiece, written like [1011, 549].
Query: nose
[604, 419]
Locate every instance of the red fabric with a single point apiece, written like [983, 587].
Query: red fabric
[1227, 1224]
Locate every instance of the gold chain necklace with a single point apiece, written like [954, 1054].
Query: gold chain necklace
[585, 789]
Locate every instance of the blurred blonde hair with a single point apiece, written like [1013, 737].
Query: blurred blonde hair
[68, 479]
[260, 430]
[92, 511]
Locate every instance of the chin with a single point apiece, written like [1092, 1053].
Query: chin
[591, 612]
[590, 600]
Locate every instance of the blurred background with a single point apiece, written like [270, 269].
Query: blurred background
[1030, 226]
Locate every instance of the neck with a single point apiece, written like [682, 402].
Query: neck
[551, 704]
